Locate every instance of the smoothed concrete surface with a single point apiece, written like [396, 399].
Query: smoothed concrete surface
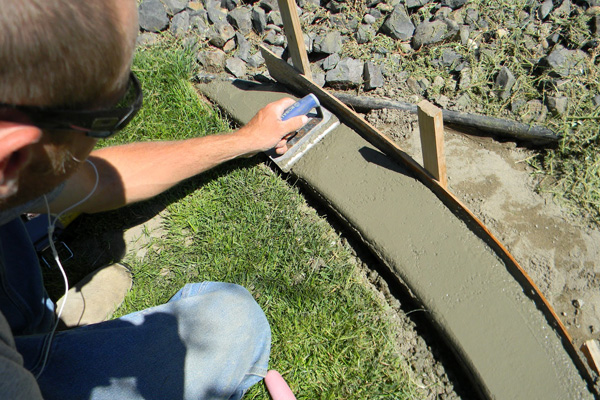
[504, 340]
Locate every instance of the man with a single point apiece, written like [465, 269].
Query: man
[64, 67]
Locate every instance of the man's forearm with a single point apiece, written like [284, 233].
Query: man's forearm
[144, 170]
[139, 171]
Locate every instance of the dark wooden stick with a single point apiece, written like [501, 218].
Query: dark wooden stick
[536, 135]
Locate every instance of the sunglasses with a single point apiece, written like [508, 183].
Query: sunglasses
[97, 123]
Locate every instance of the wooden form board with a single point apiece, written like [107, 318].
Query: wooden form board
[431, 128]
[293, 33]
[287, 75]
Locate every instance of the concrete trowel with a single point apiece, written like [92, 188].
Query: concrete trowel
[320, 123]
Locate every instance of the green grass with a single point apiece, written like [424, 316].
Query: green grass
[242, 223]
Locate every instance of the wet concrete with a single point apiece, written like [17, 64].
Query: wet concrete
[495, 329]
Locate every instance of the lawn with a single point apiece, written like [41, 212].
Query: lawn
[245, 224]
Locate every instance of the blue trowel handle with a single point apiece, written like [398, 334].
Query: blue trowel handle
[301, 107]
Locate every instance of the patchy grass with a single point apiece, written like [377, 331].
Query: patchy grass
[242, 223]
[508, 38]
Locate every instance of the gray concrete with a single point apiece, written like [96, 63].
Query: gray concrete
[503, 339]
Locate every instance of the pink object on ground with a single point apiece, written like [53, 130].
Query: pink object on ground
[277, 387]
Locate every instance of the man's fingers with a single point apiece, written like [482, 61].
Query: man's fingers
[293, 124]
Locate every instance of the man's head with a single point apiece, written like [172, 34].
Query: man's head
[69, 54]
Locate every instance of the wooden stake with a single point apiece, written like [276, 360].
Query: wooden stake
[431, 126]
[591, 350]
[293, 32]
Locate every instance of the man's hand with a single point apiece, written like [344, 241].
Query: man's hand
[266, 130]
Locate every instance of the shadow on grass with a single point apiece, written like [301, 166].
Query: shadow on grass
[98, 240]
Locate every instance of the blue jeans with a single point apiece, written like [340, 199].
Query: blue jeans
[210, 341]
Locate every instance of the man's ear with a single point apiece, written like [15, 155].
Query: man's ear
[15, 153]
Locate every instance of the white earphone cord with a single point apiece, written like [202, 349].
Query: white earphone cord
[51, 226]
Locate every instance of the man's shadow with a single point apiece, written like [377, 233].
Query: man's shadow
[98, 240]
[149, 357]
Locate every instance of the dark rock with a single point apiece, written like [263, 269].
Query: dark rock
[199, 25]
[212, 60]
[442, 101]
[465, 31]
[336, 6]
[564, 62]
[463, 102]
[443, 13]
[319, 79]
[504, 82]
[269, 5]
[369, 19]
[241, 19]
[331, 62]
[153, 16]
[516, 105]
[174, 6]
[483, 24]
[413, 85]
[259, 20]
[274, 38]
[429, 32]
[453, 4]
[438, 83]
[274, 28]
[365, 34]
[398, 24]
[564, 10]
[374, 3]
[278, 51]
[375, 13]
[243, 47]
[216, 14]
[348, 73]
[309, 39]
[231, 4]
[180, 24]
[304, 3]
[235, 67]
[274, 17]
[373, 76]
[220, 34]
[415, 3]
[343, 24]
[465, 79]
[256, 60]
[424, 83]
[328, 44]
[596, 25]
[471, 16]
[450, 59]
[545, 9]
[558, 105]
[191, 43]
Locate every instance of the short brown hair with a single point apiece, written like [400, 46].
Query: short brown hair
[62, 53]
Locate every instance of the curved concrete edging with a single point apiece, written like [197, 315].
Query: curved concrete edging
[504, 340]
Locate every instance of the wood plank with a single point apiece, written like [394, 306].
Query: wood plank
[287, 75]
[431, 128]
[591, 350]
[293, 32]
